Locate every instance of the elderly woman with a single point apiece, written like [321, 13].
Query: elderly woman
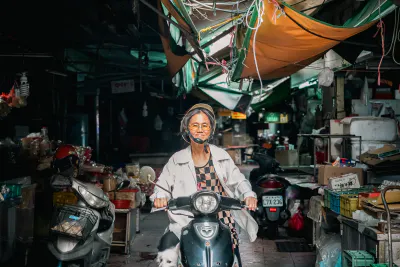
[202, 166]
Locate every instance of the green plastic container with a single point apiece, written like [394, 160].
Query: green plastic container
[355, 258]
[15, 190]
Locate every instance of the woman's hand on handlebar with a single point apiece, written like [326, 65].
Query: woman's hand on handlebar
[251, 203]
[160, 203]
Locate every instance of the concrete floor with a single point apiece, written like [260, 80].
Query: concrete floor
[260, 253]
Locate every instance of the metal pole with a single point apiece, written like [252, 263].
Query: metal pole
[389, 223]
[298, 156]
[329, 149]
[111, 122]
[315, 158]
[97, 107]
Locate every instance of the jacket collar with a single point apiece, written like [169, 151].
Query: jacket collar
[185, 155]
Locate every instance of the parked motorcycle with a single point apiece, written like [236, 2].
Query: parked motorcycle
[81, 234]
[270, 188]
[206, 241]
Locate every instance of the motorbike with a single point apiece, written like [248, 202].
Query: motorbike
[206, 241]
[81, 234]
[272, 210]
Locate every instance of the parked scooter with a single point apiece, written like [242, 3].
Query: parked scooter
[206, 241]
[81, 234]
[271, 189]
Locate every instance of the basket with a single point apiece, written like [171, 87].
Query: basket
[73, 222]
[64, 198]
[348, 204]
[15, 190]
[121, 203]
[109, 184]
[128, 194]
[355, 258]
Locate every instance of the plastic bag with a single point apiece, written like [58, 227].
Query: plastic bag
[297, 221]
[325, 77]
[329, 250]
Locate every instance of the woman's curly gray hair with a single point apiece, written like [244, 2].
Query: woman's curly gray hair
[186, 119]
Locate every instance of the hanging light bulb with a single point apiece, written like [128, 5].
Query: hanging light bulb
[145, 113]
[23, 87]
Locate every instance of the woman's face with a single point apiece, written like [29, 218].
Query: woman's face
[199, 126]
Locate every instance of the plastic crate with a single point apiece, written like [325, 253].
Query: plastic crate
[348, 204]
[334, 196]
[15, 190]
[355, 258]
[334, 199]
[64, 198]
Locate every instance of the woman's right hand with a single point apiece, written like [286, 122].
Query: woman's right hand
[160, 203]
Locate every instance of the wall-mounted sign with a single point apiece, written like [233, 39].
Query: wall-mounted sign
[224, 112]
[276, 117]
[284, 118]
[233, 114]
[272, 117]
[125, 86]
[238, 116]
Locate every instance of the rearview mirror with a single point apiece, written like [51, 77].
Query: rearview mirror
[147, 175]
[122, 185]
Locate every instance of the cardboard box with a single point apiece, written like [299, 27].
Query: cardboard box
[236, 155]
[374, 157]
[327, 171]
[287, 157]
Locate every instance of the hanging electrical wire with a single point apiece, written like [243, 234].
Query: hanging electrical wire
[396, 35]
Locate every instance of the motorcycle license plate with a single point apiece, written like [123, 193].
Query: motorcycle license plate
[272, 201]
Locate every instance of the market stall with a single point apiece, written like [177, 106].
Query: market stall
[351, 221]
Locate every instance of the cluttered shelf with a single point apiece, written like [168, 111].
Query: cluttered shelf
[350, 211]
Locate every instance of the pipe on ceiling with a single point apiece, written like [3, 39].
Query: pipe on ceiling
[32, 55]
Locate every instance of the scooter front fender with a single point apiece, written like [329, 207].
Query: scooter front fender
[197, 251]
[78, 252]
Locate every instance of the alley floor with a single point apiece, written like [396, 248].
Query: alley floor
[262, 252]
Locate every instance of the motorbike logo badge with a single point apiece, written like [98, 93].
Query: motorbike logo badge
[206, 230]
[208, 244]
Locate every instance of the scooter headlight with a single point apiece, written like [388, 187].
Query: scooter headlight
[92, 200]
[206, 202]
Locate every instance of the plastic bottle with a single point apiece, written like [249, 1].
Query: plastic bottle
[45, 145]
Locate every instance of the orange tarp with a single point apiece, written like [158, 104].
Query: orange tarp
[174, 62]
[284, 48]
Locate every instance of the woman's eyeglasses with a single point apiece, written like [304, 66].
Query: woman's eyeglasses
[196, 126]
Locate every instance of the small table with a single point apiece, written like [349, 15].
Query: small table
[126, 224]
